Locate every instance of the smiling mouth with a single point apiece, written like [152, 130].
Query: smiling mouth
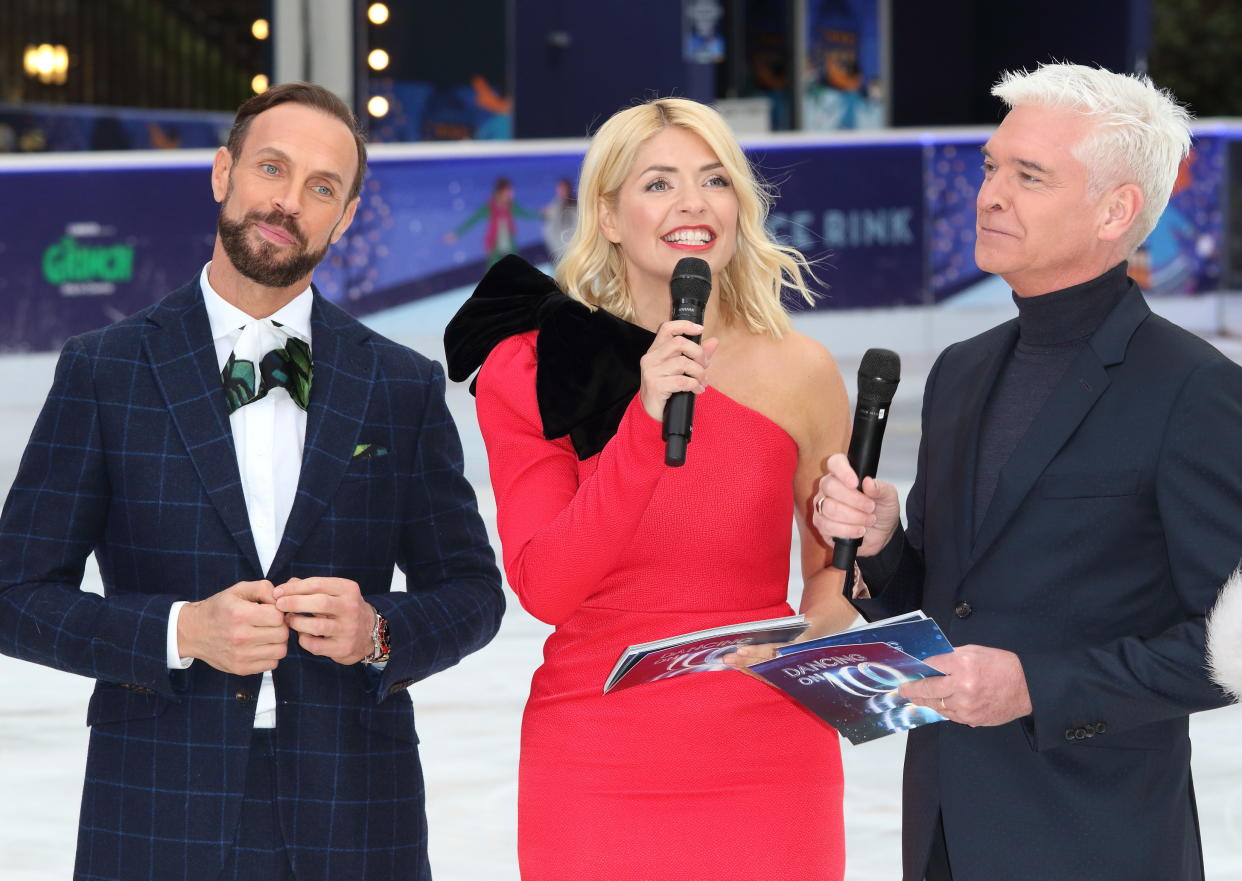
[276, 228]
[690, 237]
[275, 234]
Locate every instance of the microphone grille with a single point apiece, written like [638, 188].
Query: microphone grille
[692, 279]
[878, 374]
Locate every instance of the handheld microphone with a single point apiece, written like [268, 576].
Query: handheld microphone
[690, 286]
[878, 375]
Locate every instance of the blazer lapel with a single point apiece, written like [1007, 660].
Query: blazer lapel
[978, 376]
[342, 374]
[1068, 405]
[183, 359]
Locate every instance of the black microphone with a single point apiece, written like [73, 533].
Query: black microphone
[690, 286]
[878, 375]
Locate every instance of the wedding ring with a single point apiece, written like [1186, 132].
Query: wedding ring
[819, 506]
[942, 705]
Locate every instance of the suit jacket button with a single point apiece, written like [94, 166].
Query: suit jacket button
[1069, 733]
[1099, 727]
[243, 697]
[963, 610]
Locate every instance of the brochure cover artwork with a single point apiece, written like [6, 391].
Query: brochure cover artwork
[696, 652]
[853, 687]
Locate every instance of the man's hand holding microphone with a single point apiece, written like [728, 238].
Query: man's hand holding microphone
[981, 685]
[842, 510]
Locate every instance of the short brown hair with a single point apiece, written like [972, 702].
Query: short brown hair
[309, 95]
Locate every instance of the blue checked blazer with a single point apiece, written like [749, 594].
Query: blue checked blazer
[132, 458]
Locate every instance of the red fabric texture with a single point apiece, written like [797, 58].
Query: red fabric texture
[697, 777]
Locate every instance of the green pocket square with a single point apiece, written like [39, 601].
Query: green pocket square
[369, 451]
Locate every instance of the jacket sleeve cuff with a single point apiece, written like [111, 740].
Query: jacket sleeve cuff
[879, 569]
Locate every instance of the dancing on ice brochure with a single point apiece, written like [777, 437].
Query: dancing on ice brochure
[696, 652]
[850, 679]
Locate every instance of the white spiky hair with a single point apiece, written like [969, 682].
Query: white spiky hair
[1141, 134]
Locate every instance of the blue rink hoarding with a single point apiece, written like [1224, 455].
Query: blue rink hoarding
[887, 218]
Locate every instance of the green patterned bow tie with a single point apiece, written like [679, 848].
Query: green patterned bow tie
[288, 368]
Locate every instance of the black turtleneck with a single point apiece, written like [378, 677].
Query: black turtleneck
[1052, 329]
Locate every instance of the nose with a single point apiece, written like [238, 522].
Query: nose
[991, 196]
[288, 200]
[692, 201]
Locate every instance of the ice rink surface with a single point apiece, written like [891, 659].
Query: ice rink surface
[469, 716]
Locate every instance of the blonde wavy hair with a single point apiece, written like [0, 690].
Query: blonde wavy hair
[749, 289]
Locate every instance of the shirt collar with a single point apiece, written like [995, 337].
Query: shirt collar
[226, 319]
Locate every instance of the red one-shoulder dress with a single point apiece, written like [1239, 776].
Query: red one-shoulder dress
[707, 776]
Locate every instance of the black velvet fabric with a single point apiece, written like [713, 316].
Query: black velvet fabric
[587, 371]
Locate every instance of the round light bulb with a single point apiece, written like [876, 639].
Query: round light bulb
[45, 61]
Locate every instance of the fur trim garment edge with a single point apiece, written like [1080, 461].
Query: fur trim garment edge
[1224, 637]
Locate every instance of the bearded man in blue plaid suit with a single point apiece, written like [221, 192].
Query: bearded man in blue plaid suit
[247, 463]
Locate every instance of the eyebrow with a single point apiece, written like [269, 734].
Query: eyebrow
[711, 166]
[1028, 164]
[277, 153]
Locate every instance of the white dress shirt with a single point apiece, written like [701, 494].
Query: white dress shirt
[268, 436]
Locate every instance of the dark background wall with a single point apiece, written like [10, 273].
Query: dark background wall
[576, 63]
[945, 56]
[556, 67]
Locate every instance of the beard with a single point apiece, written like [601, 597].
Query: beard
[262, 262]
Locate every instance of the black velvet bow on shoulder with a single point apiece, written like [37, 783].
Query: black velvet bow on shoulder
[587, 371]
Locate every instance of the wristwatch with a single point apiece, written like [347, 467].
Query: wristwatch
[379, 641]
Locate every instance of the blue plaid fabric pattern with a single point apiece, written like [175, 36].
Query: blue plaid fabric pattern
[132, 458]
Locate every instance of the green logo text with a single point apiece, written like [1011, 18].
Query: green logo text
[68, 261]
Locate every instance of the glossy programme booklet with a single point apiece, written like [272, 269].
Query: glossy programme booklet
[696, 652]
[850, 679]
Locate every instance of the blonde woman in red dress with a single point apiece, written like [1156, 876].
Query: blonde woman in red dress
[714, 775]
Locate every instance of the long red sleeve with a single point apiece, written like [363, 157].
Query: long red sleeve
[560, 535]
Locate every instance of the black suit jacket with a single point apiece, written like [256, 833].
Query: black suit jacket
[1112, 526]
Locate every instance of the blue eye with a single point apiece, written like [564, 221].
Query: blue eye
[717, 181]
[658, 185]
[322, 190]
[269, 168]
